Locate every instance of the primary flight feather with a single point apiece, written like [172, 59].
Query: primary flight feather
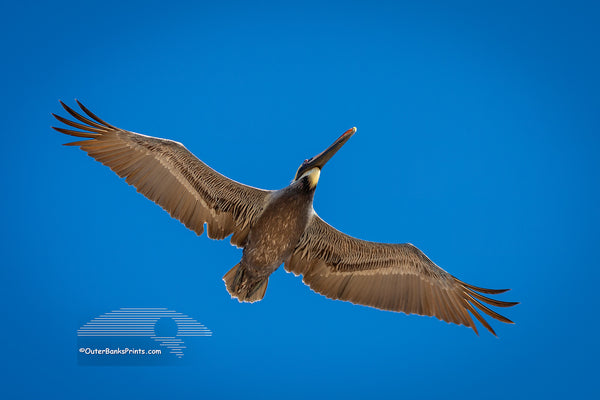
[277, 227]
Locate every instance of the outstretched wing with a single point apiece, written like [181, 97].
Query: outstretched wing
[396, 277]
[168, 174]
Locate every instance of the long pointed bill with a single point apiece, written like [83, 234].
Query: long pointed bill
[321, 159]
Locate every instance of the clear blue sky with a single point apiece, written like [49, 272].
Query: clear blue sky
[478, 141]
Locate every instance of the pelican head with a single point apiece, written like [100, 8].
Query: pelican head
[312, 166]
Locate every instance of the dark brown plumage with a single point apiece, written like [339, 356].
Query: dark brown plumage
[275, 227]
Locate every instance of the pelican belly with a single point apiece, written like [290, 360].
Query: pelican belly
[277, 230]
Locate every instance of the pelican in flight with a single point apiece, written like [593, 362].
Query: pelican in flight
[277, 227]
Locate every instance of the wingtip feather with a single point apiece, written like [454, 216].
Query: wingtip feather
[75, 133]
[83, 119]
[94, 116]
[480, 318]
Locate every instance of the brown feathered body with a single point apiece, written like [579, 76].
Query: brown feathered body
[271, 240]
[275, 227]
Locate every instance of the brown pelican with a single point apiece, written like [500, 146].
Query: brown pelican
[277, 227]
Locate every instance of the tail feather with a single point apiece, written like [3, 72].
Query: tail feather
[243, 286]
[232, 278]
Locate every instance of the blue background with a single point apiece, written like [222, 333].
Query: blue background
[477, 141]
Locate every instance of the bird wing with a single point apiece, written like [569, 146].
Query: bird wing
[396, 277]
[171, 176]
